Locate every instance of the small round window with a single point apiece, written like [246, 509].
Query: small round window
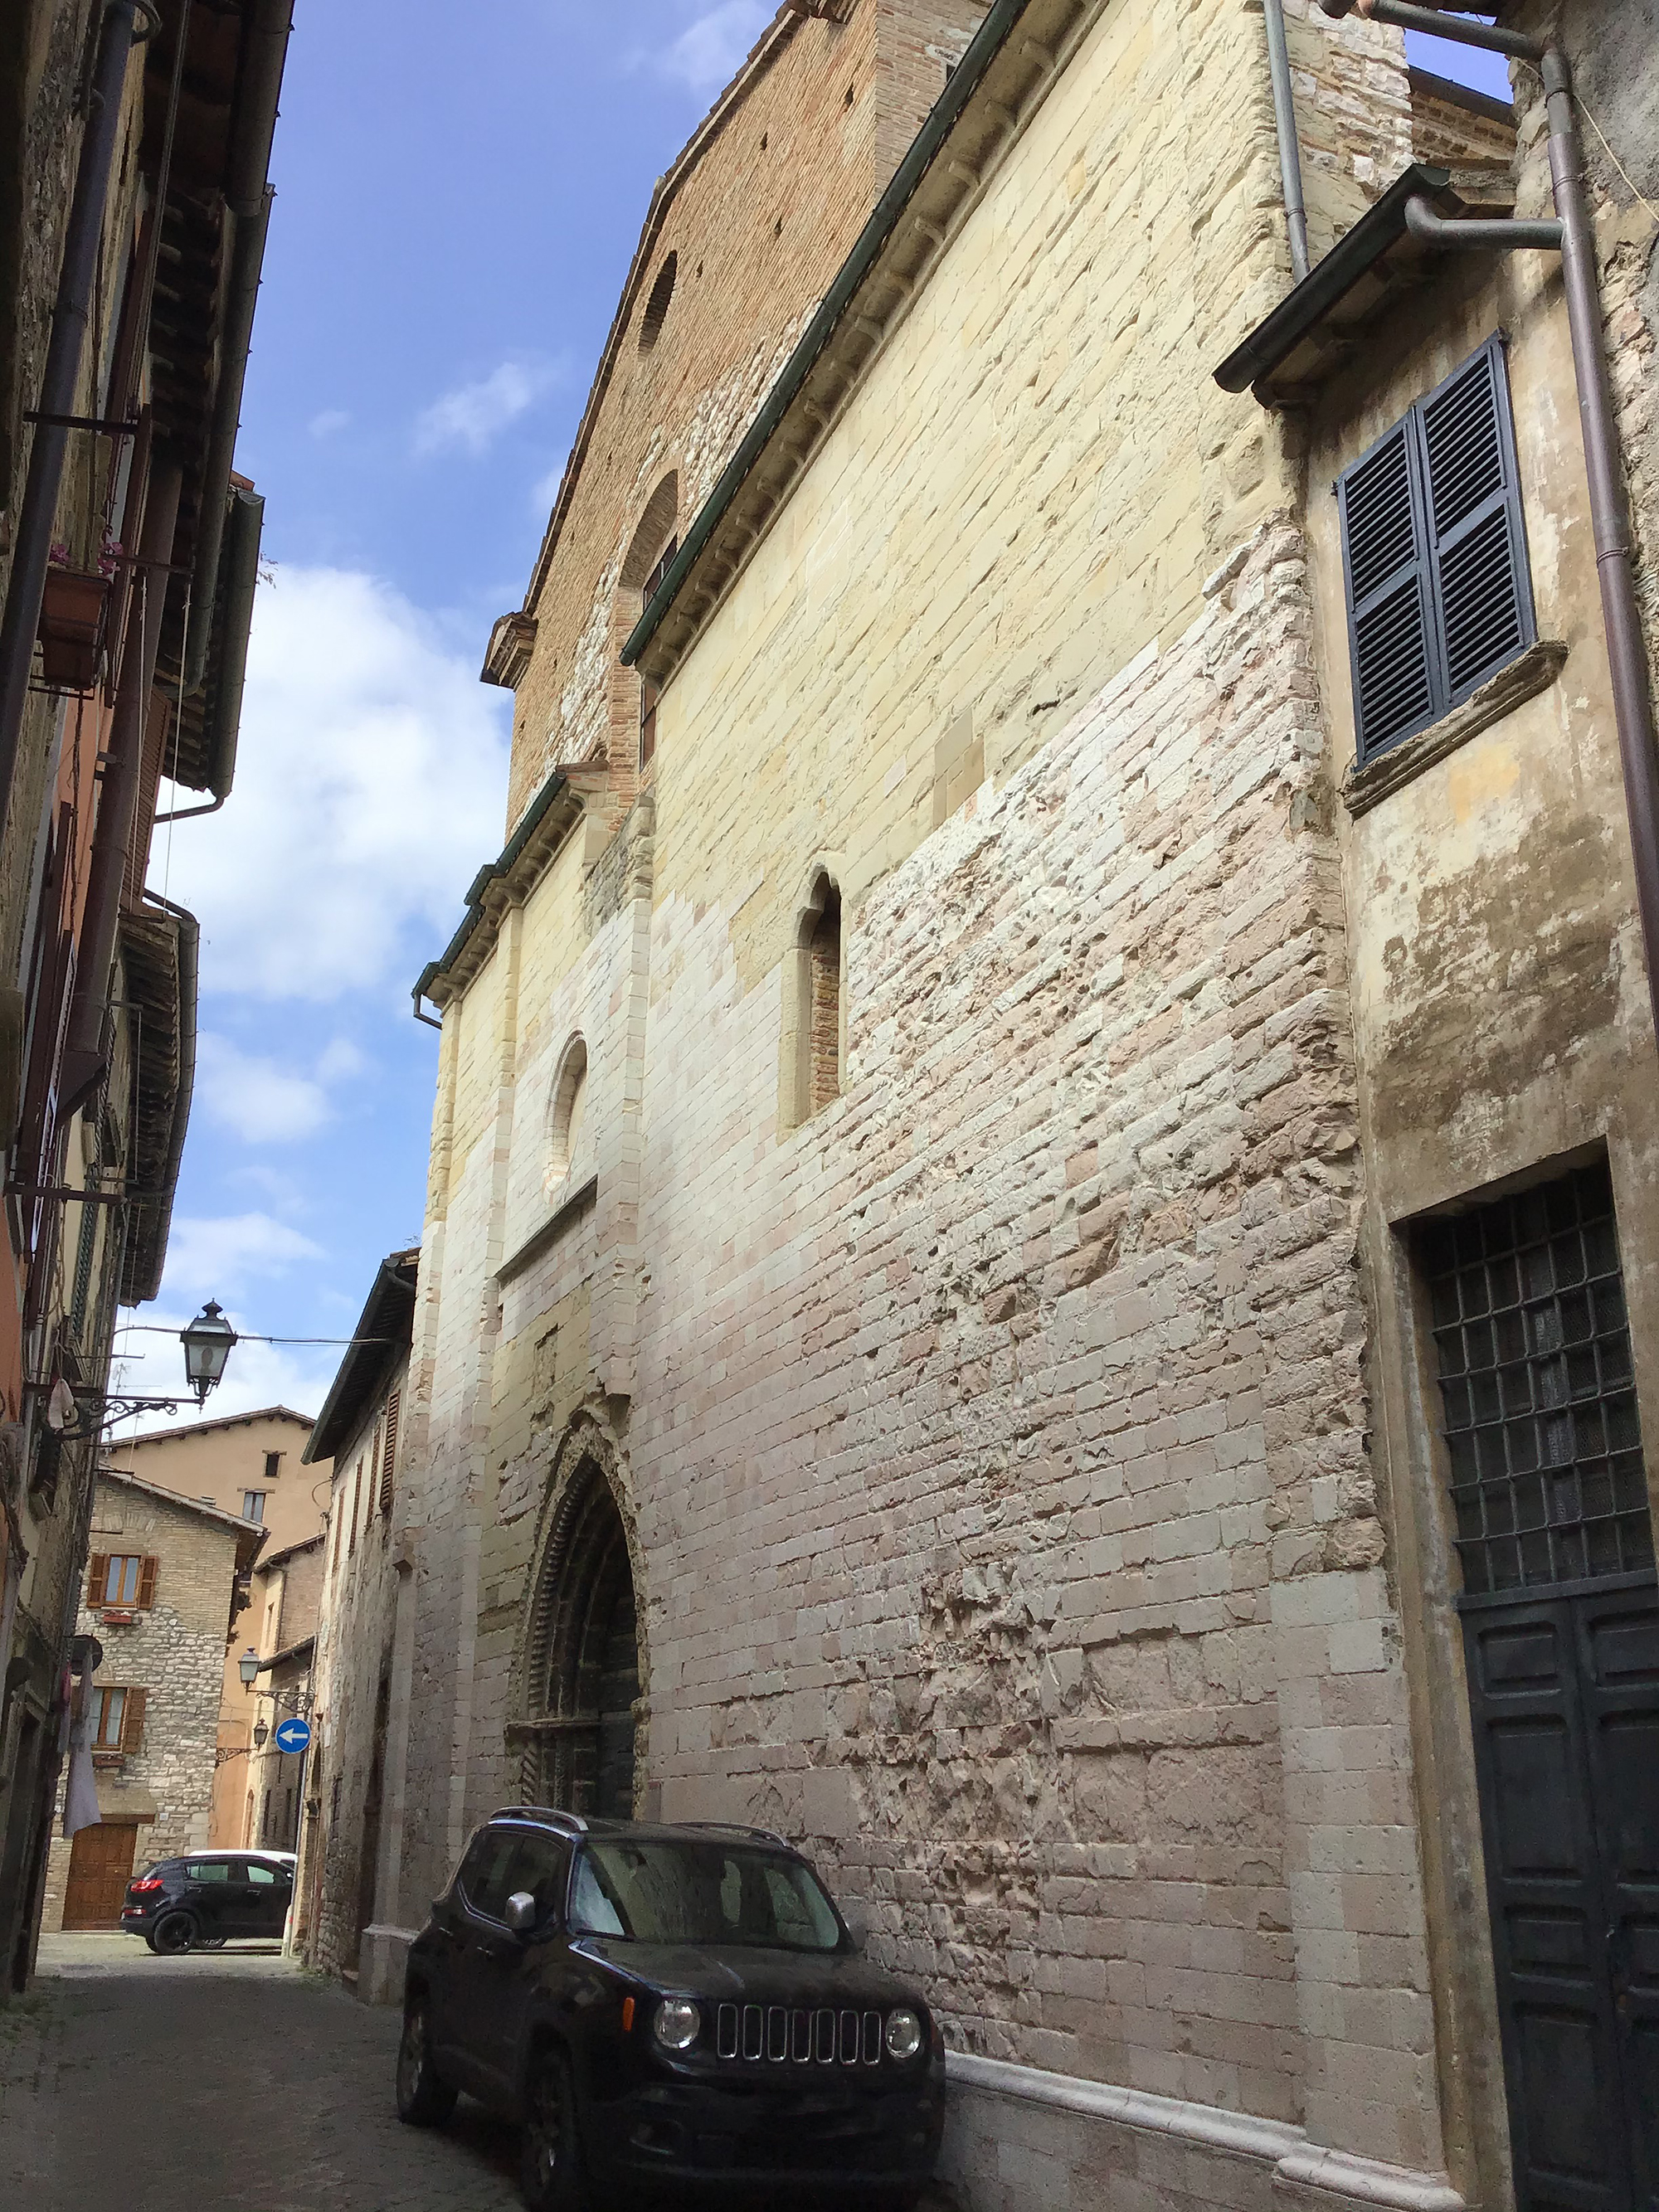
[656, 308]
[569, 1097]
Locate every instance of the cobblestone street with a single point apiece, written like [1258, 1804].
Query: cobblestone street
[230, 2083]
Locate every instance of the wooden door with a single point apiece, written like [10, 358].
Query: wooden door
[101, 1866]
[1565, 1691]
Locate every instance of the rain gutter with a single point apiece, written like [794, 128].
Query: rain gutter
[161, 1198]
[512, 852]
[1275, 338]
[235, 622]
[942, 118]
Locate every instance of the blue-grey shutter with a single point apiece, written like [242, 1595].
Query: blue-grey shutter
[1483, 590]
[1386, 566]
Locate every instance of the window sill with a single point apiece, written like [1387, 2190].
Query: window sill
[1527, 675]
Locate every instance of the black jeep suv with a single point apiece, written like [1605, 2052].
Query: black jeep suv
[678, 2006]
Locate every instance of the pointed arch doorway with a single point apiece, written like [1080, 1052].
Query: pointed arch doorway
[584, 1671]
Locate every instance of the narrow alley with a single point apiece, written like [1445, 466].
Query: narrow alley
[235, 2082]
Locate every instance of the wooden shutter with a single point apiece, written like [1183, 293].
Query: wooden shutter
[1482, 588]
[1435, 556]
[389, 1449]
[1385, 560]
[132, 1720]
[97, 1578]
[147, 1584]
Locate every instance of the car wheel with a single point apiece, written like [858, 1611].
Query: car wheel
[425, 2100]
[176, 1934]
[550, 2175]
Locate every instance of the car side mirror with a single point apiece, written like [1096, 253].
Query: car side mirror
[520, 1912]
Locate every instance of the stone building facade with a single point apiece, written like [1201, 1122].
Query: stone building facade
[129, 556]
[251, 1465]
[364, 1614]
[949, 1157]
[185, 1565]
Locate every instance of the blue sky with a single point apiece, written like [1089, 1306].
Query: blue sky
[454, 217]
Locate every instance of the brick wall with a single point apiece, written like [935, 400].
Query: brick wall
[765, 205]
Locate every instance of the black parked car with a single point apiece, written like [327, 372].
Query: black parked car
[679, 2006]
[198, 1904]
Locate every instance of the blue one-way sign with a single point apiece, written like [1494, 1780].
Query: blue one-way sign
[294, 1735]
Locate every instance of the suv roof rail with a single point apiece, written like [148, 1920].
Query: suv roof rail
[739, 1828]
[573, 1823]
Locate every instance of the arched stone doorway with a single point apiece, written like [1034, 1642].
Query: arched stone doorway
[584, 1671]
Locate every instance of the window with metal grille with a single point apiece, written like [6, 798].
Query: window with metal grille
[1434, 553]
[1541, 1428]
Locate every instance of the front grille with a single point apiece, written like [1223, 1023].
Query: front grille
[780, 2035]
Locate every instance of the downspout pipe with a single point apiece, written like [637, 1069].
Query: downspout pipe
[38, 507]
[1289, 149]
[1405, 17]
[1633, 691]
[1627, 661]
[83, 1062]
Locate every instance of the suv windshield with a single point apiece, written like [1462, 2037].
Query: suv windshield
[670, 1891]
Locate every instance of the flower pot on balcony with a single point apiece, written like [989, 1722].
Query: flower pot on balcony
[71, 633]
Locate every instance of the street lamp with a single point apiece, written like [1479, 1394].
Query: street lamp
[261, 1732]
[207, 1345]
[248, 1668]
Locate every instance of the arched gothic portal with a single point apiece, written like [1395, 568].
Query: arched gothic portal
[586, 1665]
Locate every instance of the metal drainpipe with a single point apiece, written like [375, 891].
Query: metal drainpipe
[1289, 151]
[83, 1063]
[1632, 694]
[38, 508]
[1633, 691]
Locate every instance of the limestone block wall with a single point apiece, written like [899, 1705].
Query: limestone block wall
[992, 1447]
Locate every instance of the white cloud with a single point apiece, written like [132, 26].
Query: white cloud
[369, 783]
[264, 1104]
[332, 419]
[709, 51]
[209, 1257]
[472, 416]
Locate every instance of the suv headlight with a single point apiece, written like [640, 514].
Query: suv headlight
[903, 2034]
[676, 2023]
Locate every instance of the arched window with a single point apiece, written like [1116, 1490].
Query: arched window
[656, 308]
[584, 1674]
[650, 552]
[569, 1103]
[813, 1012]
[824, 986]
